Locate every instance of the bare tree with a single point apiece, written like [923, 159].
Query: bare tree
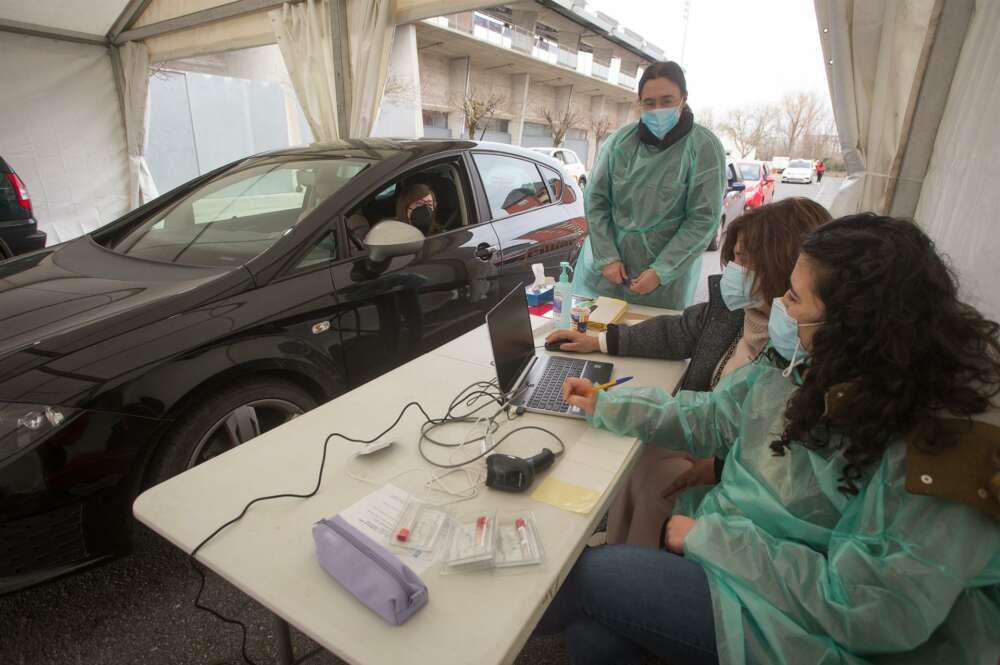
[802, 114]
[558, 123]
[479, 108]
[708, 120]
[749, 127]
[601, 126]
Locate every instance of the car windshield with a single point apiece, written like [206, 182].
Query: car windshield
[800, 164]
[750, 171]
[233, 218]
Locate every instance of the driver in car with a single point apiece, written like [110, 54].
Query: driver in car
[417, 205]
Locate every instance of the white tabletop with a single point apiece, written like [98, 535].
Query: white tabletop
[482, 617]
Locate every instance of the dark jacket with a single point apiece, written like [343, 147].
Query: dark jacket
[704, 333]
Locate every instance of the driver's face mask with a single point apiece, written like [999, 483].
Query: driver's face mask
[422, 217]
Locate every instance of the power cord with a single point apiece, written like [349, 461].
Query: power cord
[487, 390]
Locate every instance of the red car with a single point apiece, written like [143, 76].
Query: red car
[760, 183]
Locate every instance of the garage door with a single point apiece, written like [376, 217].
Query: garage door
[576, 140]
[536, 135]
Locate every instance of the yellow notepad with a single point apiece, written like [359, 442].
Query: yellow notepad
[609, 310]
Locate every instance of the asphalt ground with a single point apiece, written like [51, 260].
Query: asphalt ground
[139, 608]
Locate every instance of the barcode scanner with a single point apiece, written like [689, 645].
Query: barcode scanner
[515, 474]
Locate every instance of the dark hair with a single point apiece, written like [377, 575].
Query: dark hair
[664, 70]
[896, 342]
[771, 237]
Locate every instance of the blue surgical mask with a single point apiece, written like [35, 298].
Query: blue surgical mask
[737, 287]
[661, 121]
[784, 333]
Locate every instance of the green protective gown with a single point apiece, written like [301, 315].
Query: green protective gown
[652, 208]
[801, 573]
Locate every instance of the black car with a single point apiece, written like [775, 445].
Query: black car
[18, 230]
[235, 302]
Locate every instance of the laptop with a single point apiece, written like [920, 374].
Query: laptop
[534, 382]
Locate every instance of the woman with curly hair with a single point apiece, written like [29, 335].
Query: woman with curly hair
[855, 521]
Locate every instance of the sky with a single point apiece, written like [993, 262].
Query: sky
[738, 53]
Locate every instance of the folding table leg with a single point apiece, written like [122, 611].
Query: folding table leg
[284, 641]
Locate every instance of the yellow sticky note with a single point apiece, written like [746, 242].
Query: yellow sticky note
[566, 496]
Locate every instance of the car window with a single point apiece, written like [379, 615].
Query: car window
[442, 183]
[800, 164]
[734, 176]
[323, 251]
[512, 185]
[242, 213]
[750, 171]
[571, 158]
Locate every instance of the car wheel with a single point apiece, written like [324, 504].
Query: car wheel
[5, 252]
[717, 240]
[225, 419]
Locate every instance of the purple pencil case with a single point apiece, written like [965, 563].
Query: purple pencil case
[372, 574]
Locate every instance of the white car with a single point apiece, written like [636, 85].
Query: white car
[570, 160]
[799, 170]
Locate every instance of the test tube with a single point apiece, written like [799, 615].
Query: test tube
[523, 532]
[480, 531]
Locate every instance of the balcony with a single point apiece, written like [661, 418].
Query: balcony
[502, 35]
[601, 71]
[626, 81]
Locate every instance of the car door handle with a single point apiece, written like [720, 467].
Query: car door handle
[485, 251]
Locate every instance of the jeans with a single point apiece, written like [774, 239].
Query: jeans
[620, 601]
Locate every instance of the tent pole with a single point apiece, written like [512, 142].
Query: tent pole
[127, 18]
[339, 34]
[46, 32]
[946, 35]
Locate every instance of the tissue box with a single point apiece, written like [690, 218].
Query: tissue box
[539, 298]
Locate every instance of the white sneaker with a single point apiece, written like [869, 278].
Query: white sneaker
[598, 539]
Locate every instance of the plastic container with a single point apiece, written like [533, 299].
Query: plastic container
[518, 543]
[562, 298]
[472, 545]
[418, 527]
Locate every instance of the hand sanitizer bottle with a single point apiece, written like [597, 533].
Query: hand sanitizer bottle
[562, 298]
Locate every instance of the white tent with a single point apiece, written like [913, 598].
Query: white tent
[913, 90]
[912, 85]
[75, 83]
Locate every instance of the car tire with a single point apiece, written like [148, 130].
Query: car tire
[224, 419]
[717, 240]
[5, 252]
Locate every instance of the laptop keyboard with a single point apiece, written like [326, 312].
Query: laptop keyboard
[548, 391]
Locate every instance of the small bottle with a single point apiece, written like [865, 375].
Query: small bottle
[562, 298]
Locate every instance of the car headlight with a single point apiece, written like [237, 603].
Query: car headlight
[21, 425]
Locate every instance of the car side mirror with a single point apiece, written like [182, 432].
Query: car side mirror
[737, 186]
[390, 238]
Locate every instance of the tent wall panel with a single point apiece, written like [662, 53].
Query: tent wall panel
[959, 199]
[63, 132]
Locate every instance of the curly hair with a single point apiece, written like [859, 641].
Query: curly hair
[897, 341]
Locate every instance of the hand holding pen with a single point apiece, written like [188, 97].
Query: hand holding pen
[582, 393]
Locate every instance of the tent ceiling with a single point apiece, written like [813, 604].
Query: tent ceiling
[90, 16]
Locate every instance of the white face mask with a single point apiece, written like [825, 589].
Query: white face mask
[737, 287]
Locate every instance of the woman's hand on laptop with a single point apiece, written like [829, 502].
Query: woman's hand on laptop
[578, 392]
[573, 341]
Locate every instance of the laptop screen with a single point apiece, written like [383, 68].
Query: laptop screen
[511, 337]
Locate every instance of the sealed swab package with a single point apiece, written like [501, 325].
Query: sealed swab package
[419, 527]
[518, 543]
[472, 544]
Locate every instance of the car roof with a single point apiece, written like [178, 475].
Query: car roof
[378, 148]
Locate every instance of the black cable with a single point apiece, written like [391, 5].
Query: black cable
[479, 390]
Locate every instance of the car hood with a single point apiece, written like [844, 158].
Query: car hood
[55, 302]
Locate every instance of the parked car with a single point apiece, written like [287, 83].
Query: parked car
[759, 182]
[799, 170]
[733, 203]
[779, 164]
[574, 165]
[18, 230]
[235, 302]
